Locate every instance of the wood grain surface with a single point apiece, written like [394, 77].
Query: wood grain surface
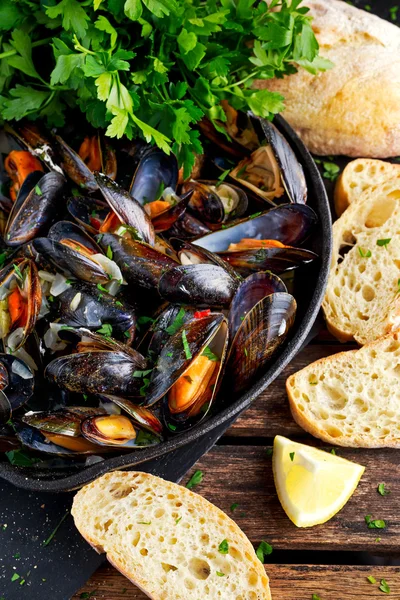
[293, 582]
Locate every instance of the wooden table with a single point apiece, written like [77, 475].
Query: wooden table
[238, 470]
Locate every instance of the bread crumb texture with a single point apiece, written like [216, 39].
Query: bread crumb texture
[362, 300]
[351, 398]
[166, 539]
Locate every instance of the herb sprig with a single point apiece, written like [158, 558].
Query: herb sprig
[150, 68]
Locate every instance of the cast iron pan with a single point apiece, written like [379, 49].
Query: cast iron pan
[310, 285]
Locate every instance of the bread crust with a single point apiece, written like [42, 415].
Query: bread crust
[343, 110]
[316, 427]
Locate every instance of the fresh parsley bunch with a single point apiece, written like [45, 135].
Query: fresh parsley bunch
[149, 68]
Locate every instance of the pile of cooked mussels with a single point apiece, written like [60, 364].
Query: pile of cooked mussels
[133, 300]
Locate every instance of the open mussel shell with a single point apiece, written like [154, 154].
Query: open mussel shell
[179, 352]
[17, 380]
[116, 431]
[140, 415]
[189, 254]
[70, 233]
[83, 305]
[20, 289]
[215, 201]
[262, 331]
[129, 211]
[33, 214]
[292, 173]
[34, 439]
[290, 224]
[198, 285]
[98, 372]
[141, 264]
[74, 166]
[5, 408]
[165, 220]
[88, 212]
[188, 227]
[268, 258]
[169, 321]
[64, 422]
[155, 172]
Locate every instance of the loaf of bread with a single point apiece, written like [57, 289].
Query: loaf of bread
[353, 108]
[362, 299]
[360, 175]
[351, 398]
[170, 542]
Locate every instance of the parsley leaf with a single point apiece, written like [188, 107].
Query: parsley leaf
[223, 548]
[264, 549]
[195, 479]
[384, 587]
[382, 490]
[177, 322]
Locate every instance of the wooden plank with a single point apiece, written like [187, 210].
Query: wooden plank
[243, 475]
[270, 414]
[293, 582]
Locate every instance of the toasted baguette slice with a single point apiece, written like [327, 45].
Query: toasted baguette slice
[165, 539]
[362, 299]
[351, 398]
[360, 175]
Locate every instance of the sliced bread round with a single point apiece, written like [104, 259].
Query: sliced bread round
[169, 541]
[351, 398]
[360, 175]
[362, 299]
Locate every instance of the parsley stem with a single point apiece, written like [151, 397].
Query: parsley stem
[237, 83]
[34, 45]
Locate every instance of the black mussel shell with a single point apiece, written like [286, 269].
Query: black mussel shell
[267, 258]
[292, 173]
[188, 227]
[83, 305]
[168, 322]
[141, 264]
[66, 421]
[65, 230]
[5, 408]
[262, 331]
[198, 285]
[215, 201]
[128, 210]
[165, 220]
[83, 208]
[155, 172]
[20, 380]
[179, 352]
[32, 215]
[74, 166]
[98, 372]
[189, 254]
[290, 224]
[33, 439]
[70, 262]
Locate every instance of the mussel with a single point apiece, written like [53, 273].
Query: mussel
[88, 212]
[188, 370]
[156, 172]
[260, 317]
[18, 165]
[216, 201]
[20, 301]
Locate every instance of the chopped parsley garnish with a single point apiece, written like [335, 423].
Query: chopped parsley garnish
[127, 334]
[223, 548]
[331, 171]
[86, 595]
[109, 253]
[220, 574]
[364, 253]
[178, 520]
[371, 579]
[144, 522]
[375, 523]
[209, 354]
[57, 527]
[234, 506]
[292, 454]
[70, 281]
[106, 330]
[171, 427]
[254, 215]
[195, 479]
[176, 323]
[382, 490]
[102, 288]
[169, 354]
[15, 577]
[141, 373]
[383, 242]
[222, 177]
[393, 10]
[384, 587]
[145, 438]
[333, 451]
[316, 597]
[38, 191]
[18, 272]
[118, 303]
[20, 458]
[245, 351]
[186, 347]
[264, 549]
[269, 451]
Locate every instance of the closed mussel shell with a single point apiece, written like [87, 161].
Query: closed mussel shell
[155, 172]
[276, 259]
[198, 285]
[168, 322]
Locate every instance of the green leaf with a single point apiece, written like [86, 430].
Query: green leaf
[118, 124]
[10, 16]
[93, 68]
[133, 9]
[195, 479]
[159, 67]
[193, 58]
[65, 66]
[371, 579]
[20, 458]
[22, 44]
[384, 587]
[382, 490]
[74, 17]
[263, 103]
[263, 550]
[210, 354]
[103, 24]
[318, 64]
[219, 66]
[186, 346]
[149, 134]
[177, 322]
[223, 548]
[186, 41]
[103, 84]
[159, 8]
[306, 44]
[25, 99]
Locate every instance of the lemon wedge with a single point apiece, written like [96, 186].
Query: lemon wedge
[312, 485]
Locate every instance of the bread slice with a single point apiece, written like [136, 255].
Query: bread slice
[360, 175]
[351, 398]
[166, 539]
[362, 299]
